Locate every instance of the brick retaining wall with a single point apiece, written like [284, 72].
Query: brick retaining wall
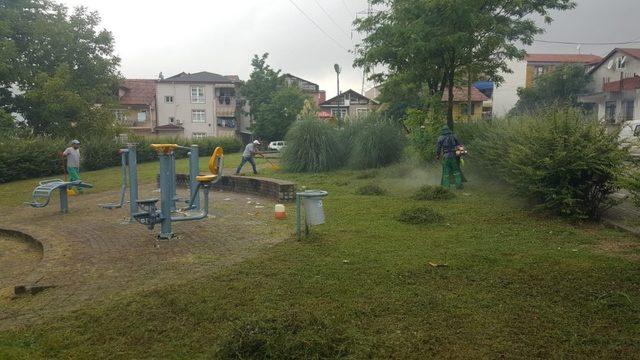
[280, 190]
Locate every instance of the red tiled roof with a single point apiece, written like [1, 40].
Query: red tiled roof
[138, 91]
[633, 52]
[460, 94]
[629, 51]
[628, 84]
[563, 58]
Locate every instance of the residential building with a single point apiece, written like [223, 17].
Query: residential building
[306, 86]
[373, 93]
[523, 74]
[348, 104]
[200, 105]
[615, 86]
[461, 109]
[540, 64]
[137, 105]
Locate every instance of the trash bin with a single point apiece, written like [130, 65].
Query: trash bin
[312, 200]
[314, 212]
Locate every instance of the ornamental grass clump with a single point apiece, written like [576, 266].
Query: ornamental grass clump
[312, 146]
[373, 141]
[419, 215]
[563, 160]
[431, 192]
[370, 189]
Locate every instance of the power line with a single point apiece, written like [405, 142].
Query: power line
[331, 18]
[318, 26]
[634, 41]
[347, 7]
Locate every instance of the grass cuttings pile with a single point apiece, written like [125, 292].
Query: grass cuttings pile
[431, 192]
[370, 189]
[419, 215]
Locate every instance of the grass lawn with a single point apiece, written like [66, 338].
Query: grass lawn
[516, 284]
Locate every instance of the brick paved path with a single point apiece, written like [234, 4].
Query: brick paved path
[92, 254]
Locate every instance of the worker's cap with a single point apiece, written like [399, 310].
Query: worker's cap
[75, 142]
[256, 142]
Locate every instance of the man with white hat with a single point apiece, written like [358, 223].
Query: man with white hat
[247, 156]
[72, 153]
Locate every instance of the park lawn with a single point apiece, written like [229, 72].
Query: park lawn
[516, 284]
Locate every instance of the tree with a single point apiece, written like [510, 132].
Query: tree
[430, 43]
[44, 49]
[274, 106]
[262, 84]
[559, 87]
[275, 117]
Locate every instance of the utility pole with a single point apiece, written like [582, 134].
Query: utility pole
[336, 67]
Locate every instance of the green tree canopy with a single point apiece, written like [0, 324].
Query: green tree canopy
[431, 43]
[274, 106]
[48, 51]
[560, 86]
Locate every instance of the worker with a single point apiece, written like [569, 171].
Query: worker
[446, 151]
[250, 151]
[72, 154]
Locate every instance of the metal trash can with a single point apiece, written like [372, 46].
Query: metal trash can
[314, 211]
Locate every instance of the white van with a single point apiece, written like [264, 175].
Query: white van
[276, 145]
[630, 136]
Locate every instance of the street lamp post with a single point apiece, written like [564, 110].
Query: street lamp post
[337, 69]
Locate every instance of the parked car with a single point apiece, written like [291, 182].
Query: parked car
[630, 136]
[276, 145]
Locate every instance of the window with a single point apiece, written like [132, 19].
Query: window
[198, 116]
[464, 108]
[121, 115]
[142, 116]
[610, 111]
[227, 122]
[621, 62]
[197, 95]
[227, 92]
[168, 99]
[339, 113]
[628, 109]
[198, 135]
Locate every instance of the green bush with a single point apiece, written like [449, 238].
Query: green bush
[373, 141]
[419, 215]
[370, 189]
[563, 160]
[312, 146]
[38, 157]
[430, 192]
[424, 129]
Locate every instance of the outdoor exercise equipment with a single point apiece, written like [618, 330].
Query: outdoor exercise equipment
[150, 215]
[41, 195]
[129, 165]
[313, 209]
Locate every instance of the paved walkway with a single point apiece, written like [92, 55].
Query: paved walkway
[92, 254]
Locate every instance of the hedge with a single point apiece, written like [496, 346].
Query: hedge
[39, 156]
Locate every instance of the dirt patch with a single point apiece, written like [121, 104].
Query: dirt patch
[93, 254]
[626, 249]
[19, 257]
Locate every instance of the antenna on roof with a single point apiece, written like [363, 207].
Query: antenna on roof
[578, 47]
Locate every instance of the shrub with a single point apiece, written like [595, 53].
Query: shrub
[373, 141]
[370, 189]
[419, 215]
[312, 146]
[37, 157]
[424, 130]
[563, 160]
[430, 192]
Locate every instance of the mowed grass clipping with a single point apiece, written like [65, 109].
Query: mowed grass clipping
[517, 285]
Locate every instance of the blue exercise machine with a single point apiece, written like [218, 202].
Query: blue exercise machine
[41, 195]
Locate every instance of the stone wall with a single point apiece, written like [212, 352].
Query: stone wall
[280, 190]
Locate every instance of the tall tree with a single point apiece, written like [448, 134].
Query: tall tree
[431, 42]
[274, 106]
[41, 39]
[561, 87]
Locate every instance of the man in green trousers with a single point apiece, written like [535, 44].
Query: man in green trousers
[446, 151]
[72, 154]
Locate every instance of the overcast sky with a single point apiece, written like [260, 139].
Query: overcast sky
[222, 36]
